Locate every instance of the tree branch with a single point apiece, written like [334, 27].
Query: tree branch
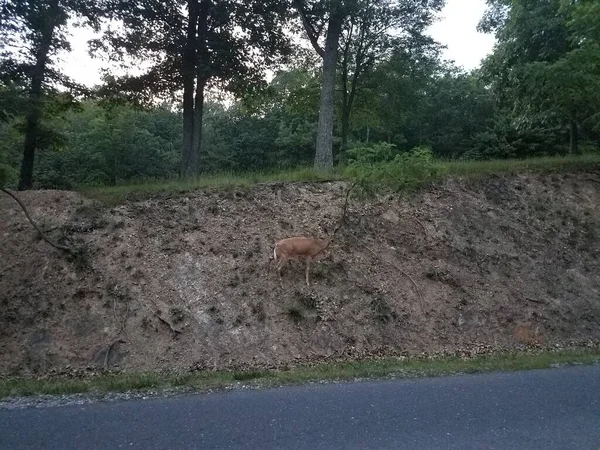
[39, 230]
[310, 29]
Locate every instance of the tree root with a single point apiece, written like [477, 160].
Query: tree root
[69, 250]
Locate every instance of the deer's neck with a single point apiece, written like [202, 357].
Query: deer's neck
[326, 242]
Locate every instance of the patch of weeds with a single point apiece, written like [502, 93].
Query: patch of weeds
[258, 311]
[382, 311]
[307, 300]
[88, 217]
[295, 313]
[321, 271]
[383, 163]
[81, 258]
[177, 314]
[443, 276]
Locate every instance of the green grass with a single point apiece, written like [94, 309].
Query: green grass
[113, 195]
[513, 166]
[376, 368]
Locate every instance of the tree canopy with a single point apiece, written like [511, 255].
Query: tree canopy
[389, 92]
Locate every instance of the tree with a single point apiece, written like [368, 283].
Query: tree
[192, 44]
[370, 34]
[33, 32]
[315, 16]
[545, 66]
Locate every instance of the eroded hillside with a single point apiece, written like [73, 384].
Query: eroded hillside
[184, 282]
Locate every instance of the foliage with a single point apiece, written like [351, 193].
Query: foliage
[189, 45]
[33, 33]
[371, 33]
[8, 175]
[540, 86]
[383, 163]
[545, 68]
[110, 147]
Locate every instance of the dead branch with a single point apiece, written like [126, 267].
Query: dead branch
[116, 339]
[112, 344]
[313, 36]
[344, 208]
[39, 230]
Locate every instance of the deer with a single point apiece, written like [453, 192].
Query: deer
[306, 248]
[299, 247]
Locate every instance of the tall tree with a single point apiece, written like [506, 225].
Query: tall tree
[33, 32]
[190, 44]
[372, 31]
[317, 16]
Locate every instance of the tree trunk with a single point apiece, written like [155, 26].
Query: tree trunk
[34, 113]
[574, 138]
[345, 131]
[345, 100]
[200, 85]
[198, 114]
[324, 153]
[189, 74]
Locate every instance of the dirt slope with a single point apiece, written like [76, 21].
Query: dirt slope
[183, 282]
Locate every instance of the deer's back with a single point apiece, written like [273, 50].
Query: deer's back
[300, 247]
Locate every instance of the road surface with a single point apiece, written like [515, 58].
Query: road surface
[545, 409]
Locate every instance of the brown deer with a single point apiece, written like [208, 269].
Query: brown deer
[306, 248]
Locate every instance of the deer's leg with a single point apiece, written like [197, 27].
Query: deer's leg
[280, 266]
[307, 266]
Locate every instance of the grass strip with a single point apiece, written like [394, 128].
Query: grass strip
[393, 367]
[114, 195]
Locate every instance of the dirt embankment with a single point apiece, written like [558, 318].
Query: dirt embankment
[183, 282]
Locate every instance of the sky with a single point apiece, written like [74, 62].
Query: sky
[456, 29]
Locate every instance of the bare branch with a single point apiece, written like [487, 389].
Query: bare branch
[39, 230]
[313, 36]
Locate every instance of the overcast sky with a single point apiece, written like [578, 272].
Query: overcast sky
[456, 29]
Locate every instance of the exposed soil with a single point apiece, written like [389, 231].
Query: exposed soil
[184, 282]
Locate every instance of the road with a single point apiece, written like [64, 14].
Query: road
[545, 409]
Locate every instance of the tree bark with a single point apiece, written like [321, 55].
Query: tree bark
[34, 113]
[198, 115]
[200, 86]
[189, 74]
[345, 102]
[574, 138]
[324, 152]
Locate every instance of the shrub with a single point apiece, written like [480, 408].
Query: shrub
[383, 163]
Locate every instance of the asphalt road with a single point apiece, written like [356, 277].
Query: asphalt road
[546, 409]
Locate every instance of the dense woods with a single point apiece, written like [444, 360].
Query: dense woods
[263, 85]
